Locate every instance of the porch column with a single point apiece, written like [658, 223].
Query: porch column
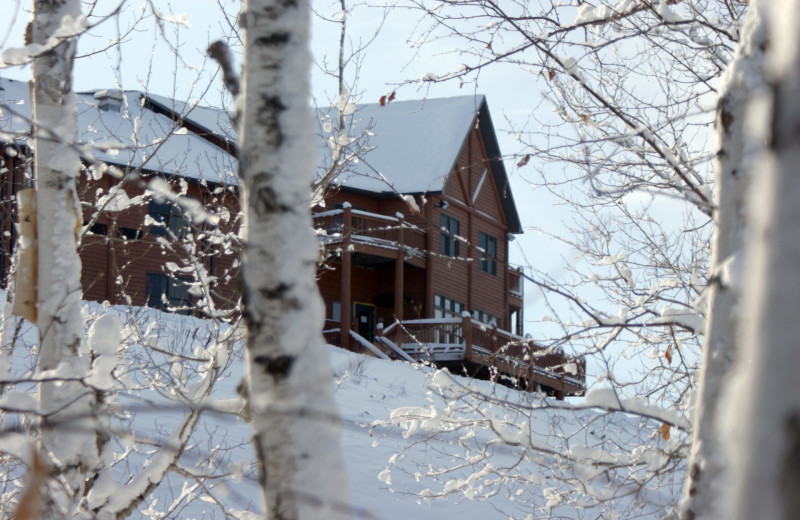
[431, 238]
[347, 275]
[398, 271]
[466, 334]
[504, 265]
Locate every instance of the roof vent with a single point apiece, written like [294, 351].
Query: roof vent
[109, 100]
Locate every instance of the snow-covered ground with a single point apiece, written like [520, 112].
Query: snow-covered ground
[418, 443]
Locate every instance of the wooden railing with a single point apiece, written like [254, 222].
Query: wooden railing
[371, 228]
[455, 339]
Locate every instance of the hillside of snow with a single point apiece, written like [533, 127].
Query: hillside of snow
[419, 443]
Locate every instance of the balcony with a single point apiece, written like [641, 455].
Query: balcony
[372, 233]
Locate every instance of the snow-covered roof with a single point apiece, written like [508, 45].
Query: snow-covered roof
[214, 120]
[130, 137]
[407, 147]
[411, 147]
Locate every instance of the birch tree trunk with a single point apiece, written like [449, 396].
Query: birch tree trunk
[289, 386]
[764, 409]
[736, 146]
[67, 431]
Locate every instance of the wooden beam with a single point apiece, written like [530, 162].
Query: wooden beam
[398, 273]
[347, 275]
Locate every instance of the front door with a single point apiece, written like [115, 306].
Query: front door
[365, 321]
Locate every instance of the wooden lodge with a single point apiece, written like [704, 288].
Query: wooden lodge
[417, 262]
[415, 232]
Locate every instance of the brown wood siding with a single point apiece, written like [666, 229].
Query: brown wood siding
[486, 292]
[115, 267]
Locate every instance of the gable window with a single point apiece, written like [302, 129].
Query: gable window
[166, 216]
[450, 229]
[168, 293]
[488, 262]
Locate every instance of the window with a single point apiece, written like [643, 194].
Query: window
[485, 317]
[447, 308]
[129, 233]
[488, 244]
[450, 230]
[336, 311]
[167, 216]
[97, 228]
[168, 293]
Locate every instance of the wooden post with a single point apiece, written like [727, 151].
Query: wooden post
[470, 258]
[520, 312]
[430, 241]
[347, 276]
[398, 271]
[506, 325]
[466, 333]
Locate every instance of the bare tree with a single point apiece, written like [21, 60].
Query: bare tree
[631, 85]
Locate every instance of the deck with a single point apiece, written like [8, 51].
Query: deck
[484, 351]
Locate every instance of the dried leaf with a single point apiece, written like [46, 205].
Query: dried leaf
[668, 354]
[664, 430]
[390, 98]
[551, 74]
[522, 162]
[382, 101]
[584, 118]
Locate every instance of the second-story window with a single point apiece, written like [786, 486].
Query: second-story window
[167, 216]
[450, 230]
[168, 293]
[488, 244]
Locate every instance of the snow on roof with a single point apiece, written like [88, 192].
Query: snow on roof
[131, 137]
[405, 147]
[411, 147]
[215, 120]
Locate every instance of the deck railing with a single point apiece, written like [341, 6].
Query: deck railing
[455, 339]
[370, 228]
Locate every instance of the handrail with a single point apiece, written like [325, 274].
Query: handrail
[439, 336]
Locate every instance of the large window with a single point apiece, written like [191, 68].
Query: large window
[488, 244]
[445, 307]
[167, 216]
[450, 230]
[168, 293]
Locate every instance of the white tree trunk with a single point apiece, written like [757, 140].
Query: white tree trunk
[736, 146]
[763, 412]
[295, 424]
[67, 431]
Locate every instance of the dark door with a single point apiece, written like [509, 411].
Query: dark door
[365, 321]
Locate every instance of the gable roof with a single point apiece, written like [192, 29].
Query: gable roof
[131, 137]
[413, 146]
